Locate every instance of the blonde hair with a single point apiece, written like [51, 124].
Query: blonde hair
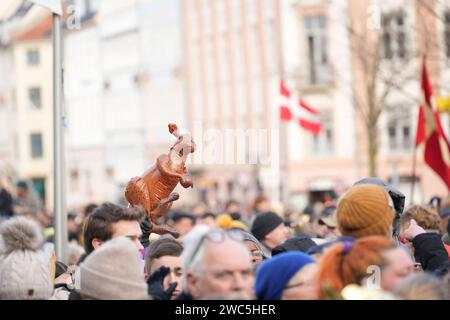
[424, 217]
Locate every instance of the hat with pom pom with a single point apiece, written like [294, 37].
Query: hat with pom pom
[24, 266]
[225, 221]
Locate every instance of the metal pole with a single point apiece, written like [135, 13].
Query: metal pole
[58, 146]
[413, 183]
[422, 103]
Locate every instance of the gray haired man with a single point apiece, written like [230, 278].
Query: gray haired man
[217, 265]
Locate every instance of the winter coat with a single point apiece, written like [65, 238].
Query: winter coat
[429, 251]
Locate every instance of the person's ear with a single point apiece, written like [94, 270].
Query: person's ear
[96, 243]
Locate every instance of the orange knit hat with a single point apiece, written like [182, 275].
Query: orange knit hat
[364, 211]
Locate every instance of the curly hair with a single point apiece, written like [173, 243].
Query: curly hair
[424, 217]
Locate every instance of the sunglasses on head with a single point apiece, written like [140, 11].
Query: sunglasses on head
[217, 236]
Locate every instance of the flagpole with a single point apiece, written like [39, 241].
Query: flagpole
[413, 183]
[284, 182]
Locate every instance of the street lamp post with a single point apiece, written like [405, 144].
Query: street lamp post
[59, 207]
[58, 145]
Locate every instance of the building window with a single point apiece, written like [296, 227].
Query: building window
[74, 180]
[34, 94]
[109, 172]
[447, 34]
[39, 187]
[316, 41]
[33, 57]
[36, 145]
[399, 129]
[322, 144]
[394, 35]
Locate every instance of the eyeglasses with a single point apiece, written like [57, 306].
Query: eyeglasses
[256, 254]
[217, 236]
[300, 284]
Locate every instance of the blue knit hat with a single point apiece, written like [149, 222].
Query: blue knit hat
[274, 274]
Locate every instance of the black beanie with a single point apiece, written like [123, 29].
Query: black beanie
[265, 223]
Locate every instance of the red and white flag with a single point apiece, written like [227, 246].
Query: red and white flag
[294, 108]
[430, 132]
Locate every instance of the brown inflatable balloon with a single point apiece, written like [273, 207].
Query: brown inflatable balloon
[153, 190]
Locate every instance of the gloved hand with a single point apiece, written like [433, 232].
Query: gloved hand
[155, 284]
[146, 228]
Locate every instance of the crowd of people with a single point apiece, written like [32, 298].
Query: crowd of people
[363, 245]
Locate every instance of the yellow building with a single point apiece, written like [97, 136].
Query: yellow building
[32, 58]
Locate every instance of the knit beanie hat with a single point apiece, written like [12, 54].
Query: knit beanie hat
[364, 211]
[265, 223]
[24, 266]
[274, 274]
[113, 271]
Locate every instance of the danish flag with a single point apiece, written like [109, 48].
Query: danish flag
[294, 108]
[430, 132]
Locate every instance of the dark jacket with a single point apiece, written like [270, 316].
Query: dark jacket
[6, 204]
[75, 295]
[429, 250]
[443, 270]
